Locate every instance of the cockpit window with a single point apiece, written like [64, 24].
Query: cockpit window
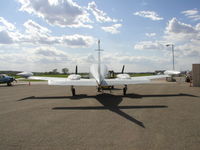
[2, 75]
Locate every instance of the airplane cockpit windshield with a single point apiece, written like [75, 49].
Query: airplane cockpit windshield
[3, 75]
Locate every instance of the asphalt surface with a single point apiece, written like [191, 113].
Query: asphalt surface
[158, 116]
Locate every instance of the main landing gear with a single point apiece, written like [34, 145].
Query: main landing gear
[73, 91]
[100, 89]
[124, 89]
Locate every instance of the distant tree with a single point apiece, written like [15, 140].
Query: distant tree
[55, 71]
[65, 70]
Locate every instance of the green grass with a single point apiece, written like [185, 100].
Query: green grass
[30, 80]
[141, 74]
[54, 75]
[45, 75]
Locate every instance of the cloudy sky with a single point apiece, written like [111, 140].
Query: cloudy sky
[40, 35]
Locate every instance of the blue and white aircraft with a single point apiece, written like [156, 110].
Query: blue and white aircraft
[99, 74]
[6, 79]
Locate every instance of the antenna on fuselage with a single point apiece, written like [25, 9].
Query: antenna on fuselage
[99, 60]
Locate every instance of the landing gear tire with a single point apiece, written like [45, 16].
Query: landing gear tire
[99, 89]
[124, 90]
[73, 91]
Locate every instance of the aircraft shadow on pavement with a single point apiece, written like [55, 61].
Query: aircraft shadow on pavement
[110, 102]
[83, 96]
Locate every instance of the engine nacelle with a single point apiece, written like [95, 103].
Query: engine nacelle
[123, 76]
[171, 72]
[25, 74]
[74, 77]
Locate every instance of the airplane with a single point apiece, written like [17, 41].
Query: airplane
[6, 79]
[99, 74]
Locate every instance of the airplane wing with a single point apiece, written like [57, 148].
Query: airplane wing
[66, 81]
[132, 80]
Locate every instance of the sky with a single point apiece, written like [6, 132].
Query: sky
[41, 35]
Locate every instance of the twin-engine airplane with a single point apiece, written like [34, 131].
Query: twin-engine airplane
[99, 74]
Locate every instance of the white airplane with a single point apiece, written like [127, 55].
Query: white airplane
[99, 74]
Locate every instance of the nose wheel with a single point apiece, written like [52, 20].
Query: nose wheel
[73, 91]
[124, 89]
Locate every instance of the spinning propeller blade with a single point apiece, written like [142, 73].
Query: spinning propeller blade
[123, 69]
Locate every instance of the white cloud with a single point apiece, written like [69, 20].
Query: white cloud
[175, 26]
[77, 40]
[178, 32]
[112, 29]
[37, 34]
[47, 54]
[189, 49]
[62, 13]
[134, 63]
[99, 14]
[44, 58]
[149, 45]
[192, 14]
[150, 34]
[52, 55]
[5, 38]
[4, 24]
[186, 40]
[148, 14]
[34, 28]
[185, 37]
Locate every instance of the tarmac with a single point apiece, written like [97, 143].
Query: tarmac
[157, 116]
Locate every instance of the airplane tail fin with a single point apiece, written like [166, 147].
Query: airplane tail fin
[99, 60]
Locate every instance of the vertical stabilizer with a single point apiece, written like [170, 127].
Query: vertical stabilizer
[99, 62]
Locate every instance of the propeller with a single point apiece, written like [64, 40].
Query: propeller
[123, 69]
[76, 70]
[15, 80]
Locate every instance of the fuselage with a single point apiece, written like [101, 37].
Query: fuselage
[99, 74]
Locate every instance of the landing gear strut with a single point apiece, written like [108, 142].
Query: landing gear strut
[99, 89]
[9, 84]
[73, 91]
[124, 89]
